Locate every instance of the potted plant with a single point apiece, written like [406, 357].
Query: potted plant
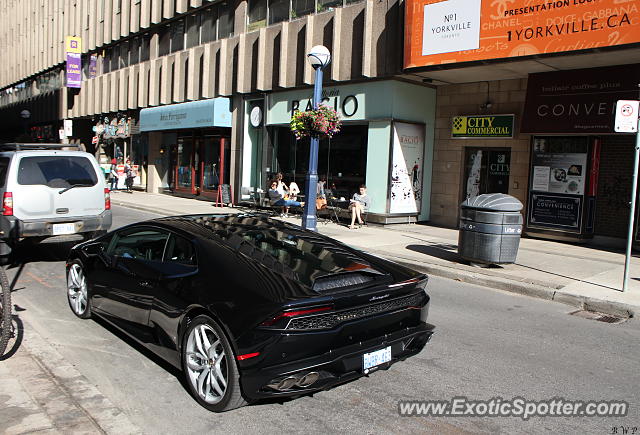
[322, 122]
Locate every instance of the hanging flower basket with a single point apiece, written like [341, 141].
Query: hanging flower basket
[322, 122]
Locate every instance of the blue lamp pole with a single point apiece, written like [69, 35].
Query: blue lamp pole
[319, 57]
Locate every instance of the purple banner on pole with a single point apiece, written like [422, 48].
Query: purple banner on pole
[74, 70]
[92, 65]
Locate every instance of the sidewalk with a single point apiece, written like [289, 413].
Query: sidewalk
[41, 392]
[582, 276]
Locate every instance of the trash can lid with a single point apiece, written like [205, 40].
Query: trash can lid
[493, 202]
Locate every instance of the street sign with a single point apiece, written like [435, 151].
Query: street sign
[627, 116]
[68, 127]
[94, 140]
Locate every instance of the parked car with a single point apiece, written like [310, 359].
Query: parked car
[248, 307]
[47, 191]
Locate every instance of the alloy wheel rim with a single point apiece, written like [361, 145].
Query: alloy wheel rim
[207, 364]
[77, 289]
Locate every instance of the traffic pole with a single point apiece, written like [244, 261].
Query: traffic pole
[632, 212]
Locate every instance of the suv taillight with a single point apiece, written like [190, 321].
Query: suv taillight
[7, 204]
[107, 199]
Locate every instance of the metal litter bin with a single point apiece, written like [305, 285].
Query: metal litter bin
[490, 229]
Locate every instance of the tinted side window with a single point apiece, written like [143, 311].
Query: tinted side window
[56, 171]
[142, 244]
[181, 250]
[4, 165]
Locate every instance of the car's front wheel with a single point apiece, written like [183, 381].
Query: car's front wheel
[210, 366]
[78, 290]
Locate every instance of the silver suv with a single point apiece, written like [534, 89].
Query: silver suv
[48, 191]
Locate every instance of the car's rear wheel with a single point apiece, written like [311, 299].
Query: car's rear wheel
[210, 366]
[78, 291]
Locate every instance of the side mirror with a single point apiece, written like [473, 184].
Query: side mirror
[94, 249]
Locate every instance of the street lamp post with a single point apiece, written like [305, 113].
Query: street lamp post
[319, 57]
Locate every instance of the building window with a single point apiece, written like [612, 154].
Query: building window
[324, 5]
[257, 14]
[278, 11]
[193, 30]
[300, 8]
[164, 41]
[123, 61]
[177, 36]
[145, 45]
[208, 25]
[134, 51]
[225, 20]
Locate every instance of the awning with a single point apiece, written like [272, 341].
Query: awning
[213, 112]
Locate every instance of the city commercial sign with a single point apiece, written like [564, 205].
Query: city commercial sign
[73, 49]
[444, 31]
[213, 112]
[482, 126]
[577, 101]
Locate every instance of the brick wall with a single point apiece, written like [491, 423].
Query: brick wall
[507, 97]
[614, 186]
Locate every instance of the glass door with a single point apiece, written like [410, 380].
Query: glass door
[487, 170]
[185, 172]
[210, 166]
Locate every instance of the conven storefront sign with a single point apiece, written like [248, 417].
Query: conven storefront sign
[482, 126]
[439, 32]
[577, 101]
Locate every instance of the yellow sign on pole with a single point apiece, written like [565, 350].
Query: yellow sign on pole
[73, 44]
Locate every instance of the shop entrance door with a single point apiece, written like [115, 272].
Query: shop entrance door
[185, 173]
[486, 171]
[213, 169]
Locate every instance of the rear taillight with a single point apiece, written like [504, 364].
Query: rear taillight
[7, 204]
[289, 314]
[107, 199]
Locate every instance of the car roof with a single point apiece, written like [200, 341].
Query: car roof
[277, 245]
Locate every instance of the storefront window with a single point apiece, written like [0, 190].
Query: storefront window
[301, 8]
[257, 14]
[210, 163]
[342, 160]
[278, 11]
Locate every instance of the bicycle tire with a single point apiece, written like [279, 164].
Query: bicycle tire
[5, 311]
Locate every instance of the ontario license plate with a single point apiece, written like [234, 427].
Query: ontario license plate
[59, 229]
[376, 358]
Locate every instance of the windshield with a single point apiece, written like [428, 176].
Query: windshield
[56, 171]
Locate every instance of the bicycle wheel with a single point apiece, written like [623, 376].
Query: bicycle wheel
[5, 311]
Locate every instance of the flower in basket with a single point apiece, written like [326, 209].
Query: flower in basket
[323, 122]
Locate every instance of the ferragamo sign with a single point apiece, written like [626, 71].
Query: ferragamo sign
[577, 101]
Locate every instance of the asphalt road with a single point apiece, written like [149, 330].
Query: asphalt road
[488, 344]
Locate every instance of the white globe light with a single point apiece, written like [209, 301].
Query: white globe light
[319, 56]
[25, 114]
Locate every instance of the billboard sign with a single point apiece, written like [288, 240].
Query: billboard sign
[443, 31]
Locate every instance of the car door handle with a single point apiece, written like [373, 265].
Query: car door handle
[146, 284]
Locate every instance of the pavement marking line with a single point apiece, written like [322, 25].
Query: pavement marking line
[44, 283]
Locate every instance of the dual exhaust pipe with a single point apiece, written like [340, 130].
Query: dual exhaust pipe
[301, 380]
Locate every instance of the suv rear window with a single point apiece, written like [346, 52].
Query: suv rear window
[56, 171]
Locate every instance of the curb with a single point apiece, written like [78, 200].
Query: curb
[101, 411]
[523, 288]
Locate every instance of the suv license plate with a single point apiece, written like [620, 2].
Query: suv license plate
[376, 358]
[59, 229]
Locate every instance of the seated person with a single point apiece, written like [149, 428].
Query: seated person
[277, 199]
[359, 204]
